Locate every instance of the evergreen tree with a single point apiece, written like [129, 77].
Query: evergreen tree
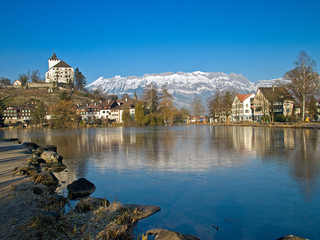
[80, 79]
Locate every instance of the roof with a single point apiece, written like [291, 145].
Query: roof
[276, 94]
[54, 57]
[62, 64]
[243, 97]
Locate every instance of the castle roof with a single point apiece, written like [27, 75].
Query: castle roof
[62, 64]
[54, 57]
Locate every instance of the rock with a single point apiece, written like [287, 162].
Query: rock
[50, 156]
[163, 234]
[80, 188]
[52, 148]
[90, 204]
[292, 237]
[11, 140]
[31, 145]
[28, 171]
[145, 210]
[53, 167]
[46, 178]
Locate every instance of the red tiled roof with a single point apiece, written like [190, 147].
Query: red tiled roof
[62, 64]
[243, 97]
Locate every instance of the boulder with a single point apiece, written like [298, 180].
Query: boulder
[90, 204]
[31, 145]
[46, 178]
[28, 171]
[163, 234]
[80, 188]
[145, 210]
[52, 148]
[53, 167]
[50, 156]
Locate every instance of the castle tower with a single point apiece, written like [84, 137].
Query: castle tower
[53, 60]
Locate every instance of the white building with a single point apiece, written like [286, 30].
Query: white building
[242, 107]
[59, 71]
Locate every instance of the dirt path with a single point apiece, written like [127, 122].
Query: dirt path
[12, 155]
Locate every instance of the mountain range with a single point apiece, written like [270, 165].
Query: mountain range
[183, 86]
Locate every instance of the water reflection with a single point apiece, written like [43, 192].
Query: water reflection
[195, 148]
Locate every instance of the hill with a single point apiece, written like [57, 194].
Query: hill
[21, 96]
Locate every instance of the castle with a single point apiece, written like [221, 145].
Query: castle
[59, 71]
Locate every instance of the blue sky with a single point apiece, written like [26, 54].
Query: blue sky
[259, 39]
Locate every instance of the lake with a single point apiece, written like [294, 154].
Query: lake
[251, 182]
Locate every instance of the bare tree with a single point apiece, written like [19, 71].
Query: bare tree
[303, 80]
[150, 98]
[196, 106]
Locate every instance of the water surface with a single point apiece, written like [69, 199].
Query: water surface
[253, 183]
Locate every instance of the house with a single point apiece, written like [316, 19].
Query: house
[17, 83]
[11, 113]
[59, 71]
[271, 101]
[17, 113]
[242, 107]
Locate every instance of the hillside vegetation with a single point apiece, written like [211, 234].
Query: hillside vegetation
[22, 96]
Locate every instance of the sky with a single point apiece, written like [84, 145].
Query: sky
[258, 39]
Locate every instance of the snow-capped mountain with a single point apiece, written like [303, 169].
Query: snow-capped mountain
[183, 86]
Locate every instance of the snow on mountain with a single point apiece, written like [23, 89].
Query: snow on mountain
[183, 86]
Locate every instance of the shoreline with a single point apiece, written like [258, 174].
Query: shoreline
[31, 207]
[313, 125]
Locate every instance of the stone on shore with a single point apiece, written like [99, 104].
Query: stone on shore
[50, 157]
[80, 188]
[145, 210]
[31, 145]
[163, 234]
[53, 167]
[46, 178]
[90, 204]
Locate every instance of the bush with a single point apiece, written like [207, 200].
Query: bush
[279, 118]
[265, 118]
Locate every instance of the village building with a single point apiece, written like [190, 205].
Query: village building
[242, 108]
[17, 83]
[271, 101]
[12, 114]
[59, 71]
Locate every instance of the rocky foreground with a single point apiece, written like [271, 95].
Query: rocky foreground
[32, 209]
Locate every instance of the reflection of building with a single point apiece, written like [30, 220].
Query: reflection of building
[59, 71]
[242, 107]
[271, 101]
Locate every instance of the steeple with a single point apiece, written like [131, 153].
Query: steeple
[53, 60]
